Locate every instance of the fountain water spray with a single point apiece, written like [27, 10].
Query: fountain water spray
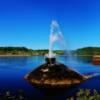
[53, 74]
[55, 36]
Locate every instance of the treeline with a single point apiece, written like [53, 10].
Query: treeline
[14, 51]
[86, 54]
[88, 51]
[25, 51]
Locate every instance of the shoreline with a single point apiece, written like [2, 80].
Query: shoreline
[23, 55]
[16, 55]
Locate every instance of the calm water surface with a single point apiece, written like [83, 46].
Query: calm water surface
[13, 70]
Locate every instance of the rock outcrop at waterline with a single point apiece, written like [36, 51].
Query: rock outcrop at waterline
[53, 74]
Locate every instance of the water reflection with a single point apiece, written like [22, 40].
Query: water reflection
[13, 70]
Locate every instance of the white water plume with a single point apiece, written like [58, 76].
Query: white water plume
[56, 36]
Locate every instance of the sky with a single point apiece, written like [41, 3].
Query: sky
[27, 22]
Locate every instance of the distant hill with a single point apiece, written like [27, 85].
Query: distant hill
[86, 54]
[14, 51]
[25, 51]
[88, 51]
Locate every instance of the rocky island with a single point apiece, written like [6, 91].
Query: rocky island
[54, 75]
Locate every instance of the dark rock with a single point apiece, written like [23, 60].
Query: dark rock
[54, 75]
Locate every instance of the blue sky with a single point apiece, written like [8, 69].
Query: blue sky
[27, 22]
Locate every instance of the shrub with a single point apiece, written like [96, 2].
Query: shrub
[86, 95]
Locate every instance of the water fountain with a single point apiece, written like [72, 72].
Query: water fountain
[53, 74]
[56, 36]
